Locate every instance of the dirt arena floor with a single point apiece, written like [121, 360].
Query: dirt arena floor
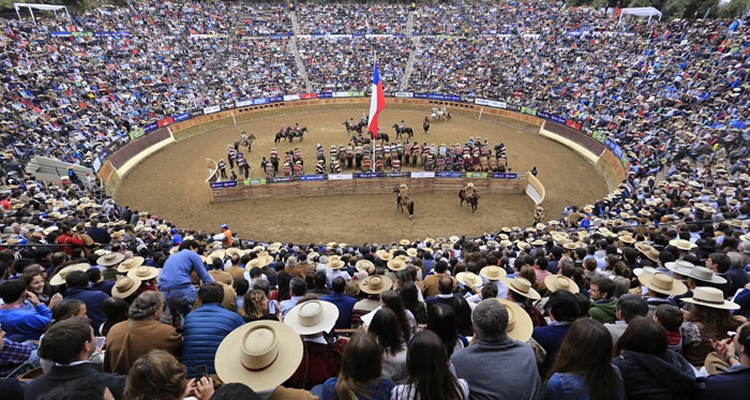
[171, 184]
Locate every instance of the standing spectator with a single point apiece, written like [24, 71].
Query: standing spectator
[205, 328]
[70, 241]
[19, 323]
[175, 281]
[495, 354]
[342, 301]
[77, 283]
[141, 333]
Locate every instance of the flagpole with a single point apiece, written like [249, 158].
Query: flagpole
[377, 134]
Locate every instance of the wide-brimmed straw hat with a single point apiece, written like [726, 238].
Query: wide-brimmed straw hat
[125, 287]
[260, 354]
[396, 264]
[129, 264]
[312, 316]
[711, 297]
[682, 244]
[110, 259]
[219, 253]
[647, 250]
[335, 263]
[261, 261]
[706, 275]
[143, 273]
[559, 282]
[468, 279]
[59, 278]
[384, 255]
[376, 284]
[493, 272]
[663, 283]
[521, 286]
[364, 265]
[520, 326]
[680, 267]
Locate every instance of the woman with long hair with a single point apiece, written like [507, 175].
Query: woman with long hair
[583, 366]
[710, 319]
[36, 284]
[360, 374]
[158, 375]
[463, 315]
[386, 326]
[442, 320]
[115, 310]
[649, 369]
[428, 372]
[282, 283]
[410, 297]
[255, 307]
[391, 300]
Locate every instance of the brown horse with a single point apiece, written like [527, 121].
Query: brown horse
[404, 202]
[472, 201]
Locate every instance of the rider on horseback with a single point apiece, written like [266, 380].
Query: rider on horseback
[403, 192]
[469, 190]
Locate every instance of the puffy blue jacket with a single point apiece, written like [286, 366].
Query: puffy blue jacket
[205, 328]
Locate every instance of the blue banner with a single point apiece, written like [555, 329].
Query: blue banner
[181, 117]
[449, 174]
[224, 184]
[318, 177]
[558, 119]
[421, 95]
[275, 99]
[150, 127]
[325, 95]
[543, 114]
[618, 151]
[500, 175]
[280, 179]
[260, 101]
[368, 175]
[396, 175]
[61, 34]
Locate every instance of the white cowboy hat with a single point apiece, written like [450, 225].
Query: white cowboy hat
[129, 264]
[110, 259]
[260, 354]
[521, 286]
[711, 297]
[520, 326]
[493, 272]
[312, 316]
[682, 244]
[59, 278]
[384, 255]
[143, 273]
[559, 282]
[706, 275]
[468, 279]
[663, 283]
[376, 284]
[680, 267]
[125, 287]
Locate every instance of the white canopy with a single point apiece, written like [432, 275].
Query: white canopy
[44, 7]
[641, 12]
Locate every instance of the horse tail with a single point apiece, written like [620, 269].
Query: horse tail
[461, 193]
[410, 207]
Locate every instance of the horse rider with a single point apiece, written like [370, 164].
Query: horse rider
[403, 192]
[351, 123]
[296, 127]
[281, 130]
[426, 124]
[403, 125]
[469, 190]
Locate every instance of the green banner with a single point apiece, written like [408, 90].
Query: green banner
[527, 110]
[476, 174]
[600, 137]
[255, 181]
[136, 133]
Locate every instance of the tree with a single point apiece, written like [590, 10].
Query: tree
[735, 9]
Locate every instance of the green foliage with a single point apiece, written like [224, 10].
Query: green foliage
[640, 3]
[735, 9]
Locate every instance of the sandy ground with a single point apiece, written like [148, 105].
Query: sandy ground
[171, 184]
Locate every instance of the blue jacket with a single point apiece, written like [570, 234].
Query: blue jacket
[734, 384]
[205, 328]
[345, 304]
[94, 300]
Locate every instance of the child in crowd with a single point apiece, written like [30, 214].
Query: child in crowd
[670, 318]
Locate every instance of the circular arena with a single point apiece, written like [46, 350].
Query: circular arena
[622, 134]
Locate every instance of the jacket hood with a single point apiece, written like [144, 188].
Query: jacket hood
[670, 368]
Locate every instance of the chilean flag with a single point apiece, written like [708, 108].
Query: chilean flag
[377, 102]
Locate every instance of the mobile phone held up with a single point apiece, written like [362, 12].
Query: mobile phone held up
[201, 371]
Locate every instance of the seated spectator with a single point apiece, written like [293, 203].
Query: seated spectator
[141, 333]
[205, 327]
[563, 310]
[14, 354]
[84, 388]
[442, 320]
[158, 375]
[297, 288]
[69, 344]
[21, 324]
[342, 301]
[604, 304]
[77, 283]
[710, 319]
[445, 292]
[360, 374]
[670, 317]
[255, 307]
[629, 306]
[387, 327]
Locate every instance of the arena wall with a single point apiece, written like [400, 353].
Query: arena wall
[117, 167]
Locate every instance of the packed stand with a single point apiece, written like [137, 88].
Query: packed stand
[352, 19]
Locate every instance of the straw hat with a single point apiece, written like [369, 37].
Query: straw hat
[261, 261]
[110, 259]
[644, 270]
[125, 287]
[143, 273]
[233, 251]
[626, 239]
[468, 279]
[404, 242]
[59, 278]
[216, 254]
[711, 297]
[680, 267]
[521, 286]
[411, 251]
[312, 316]
[384, 255]
[493, 272]
[376, 284]
[335, 263]
[129, 264]
[520, 326]
[274, 247]
[396, 264]
[706, 275]
[559, 282]
[363, 265]
[260, 354]
[682, 244]
[648, 251]
[663, 283]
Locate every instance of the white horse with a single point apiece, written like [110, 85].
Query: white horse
[440, 112]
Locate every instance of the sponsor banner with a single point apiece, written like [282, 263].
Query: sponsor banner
[500, 175]
[280, 179]
[450, 174]
[403, 94]
[206, 36]
[211, 110]
[558, 119]
[425, 174]
[476, 174]
[527, 110]
[148, 128]
[339, 177]
[543, 114]
[77, 34]
[243, 103]
[396, 175]
[97, 165]
[618, 151]
[291, 97]
[260, 101]
[573, 124]
[599, 136]
[103, 155]
[491, 103]
[624, 160]
[357, 94]
[513, 107]
[61, 34]
[368, 175]
[421, 95]
[277, 37]
[324, 95]
[255, 181]
[224, 184]
[305, 96]
[317, 177]
[340, 94]
[112, 34]
[181, 117]
[135, 134]
[276, 99]
[165, 122]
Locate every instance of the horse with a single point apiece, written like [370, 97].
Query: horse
[404, 202]
[356, 127]
[383, 137]
[405, 130]
[300, 134]
[279, 137]
[472, 201]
